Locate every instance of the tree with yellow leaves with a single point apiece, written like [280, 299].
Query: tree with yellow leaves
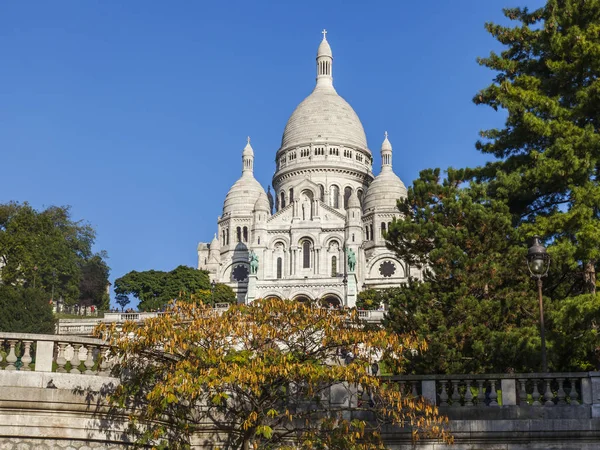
[275, 374]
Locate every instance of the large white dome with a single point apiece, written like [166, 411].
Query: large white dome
[324, 116]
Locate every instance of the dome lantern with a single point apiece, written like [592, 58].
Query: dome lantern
[248, 158]
[324, 63]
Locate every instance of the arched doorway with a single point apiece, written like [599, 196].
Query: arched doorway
[302, 298]
[330, 301]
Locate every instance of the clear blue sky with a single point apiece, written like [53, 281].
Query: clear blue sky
[135, 113]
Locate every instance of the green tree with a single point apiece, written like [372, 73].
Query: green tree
[94, 282]
[475, 305]
[368, 299]
[47, 250]
[547, 163]
[155, 289]
[122, 300]
[260, 375]
[25, 310]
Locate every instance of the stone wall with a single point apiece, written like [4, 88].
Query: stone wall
[51, 444]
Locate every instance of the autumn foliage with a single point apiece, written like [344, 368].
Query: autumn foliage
[274, 374]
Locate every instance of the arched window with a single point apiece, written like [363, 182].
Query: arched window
[334, 270]
[223, 237]
[306, 254]
[258, 240]
[334, 196]
[239, 234]
[359, 194]
[282, 200]
[245, 234]
[372, 234]
[352, 237]
[347, 194]
[227, 236]
[321, 193]
[367, 233]
[279, 267]
[291, 195]
[382, 230]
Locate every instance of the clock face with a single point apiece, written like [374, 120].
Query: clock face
[387, 269]
[240, 273]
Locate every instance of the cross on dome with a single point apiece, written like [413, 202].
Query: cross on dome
[385, 133]
[324, 32]
[249, 139]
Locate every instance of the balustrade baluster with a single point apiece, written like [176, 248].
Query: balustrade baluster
[522, 392]
[104, 367]
[480, 392]
[26, 358]
[455, 393]
[61, 361]
[443, 394]
[413, 391]
[548, 395]
[493, 393]
[536, 394]
[573, 396]
[468, 394]
[561, 394]
[89, 360]
[11, 358]
[75, 361]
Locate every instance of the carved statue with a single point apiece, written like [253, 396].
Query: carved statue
[253, 258]
[351, 259]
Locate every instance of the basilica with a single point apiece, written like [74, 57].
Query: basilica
[319, 234]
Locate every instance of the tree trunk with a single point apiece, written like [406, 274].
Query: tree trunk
[589, 277]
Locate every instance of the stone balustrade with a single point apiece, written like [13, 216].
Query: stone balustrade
[493, 390]
[85, 327]
[52, 353]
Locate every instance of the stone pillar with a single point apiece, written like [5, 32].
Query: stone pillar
[428, 391]
[251, 293]
[595, 384]
[352, 291]
[509, 392]
[43, 356]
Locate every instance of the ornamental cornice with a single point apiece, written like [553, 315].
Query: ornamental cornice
[275, 286]
[360, 176]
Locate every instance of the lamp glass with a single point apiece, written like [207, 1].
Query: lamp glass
[537, 266]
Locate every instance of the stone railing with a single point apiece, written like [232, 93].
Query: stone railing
[50, 353]
[85, 327]
[493, 390]
[375, 316]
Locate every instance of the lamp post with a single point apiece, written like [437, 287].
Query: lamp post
[538, 263]
[213, 283]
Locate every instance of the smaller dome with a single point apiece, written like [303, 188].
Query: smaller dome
[262, 203]
[384, 192]
[248, 151]
[324, 49]
[353, 201]
[243, 195]
[386, 189]
[386, 145]
[215, 242]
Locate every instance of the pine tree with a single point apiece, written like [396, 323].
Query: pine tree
[474, 306]
[547, 163]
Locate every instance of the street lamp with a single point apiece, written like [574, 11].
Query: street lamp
[538, 263]
[213, 283]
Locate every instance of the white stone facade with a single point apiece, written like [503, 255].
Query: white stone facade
[325, 204]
